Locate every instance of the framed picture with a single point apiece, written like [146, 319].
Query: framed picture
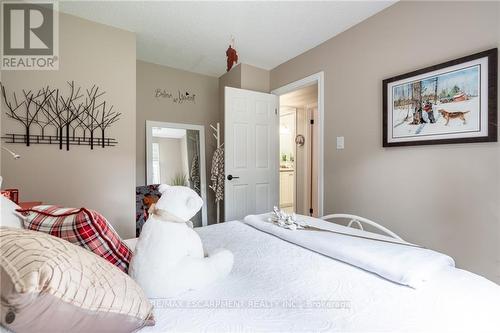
[453, 102]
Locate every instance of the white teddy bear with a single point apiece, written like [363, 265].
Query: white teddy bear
[169, 257]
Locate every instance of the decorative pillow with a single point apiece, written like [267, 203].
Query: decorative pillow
[51, 285]
[10, 217]
[83, 227]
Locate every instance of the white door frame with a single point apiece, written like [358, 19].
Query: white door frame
[149, 167]
[319, 79]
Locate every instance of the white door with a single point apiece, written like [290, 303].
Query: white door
[251, 155]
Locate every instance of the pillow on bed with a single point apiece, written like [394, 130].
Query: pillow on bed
[83, 227]
[51, 285]
[10, 217]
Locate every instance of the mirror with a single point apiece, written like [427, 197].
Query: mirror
[175, 155]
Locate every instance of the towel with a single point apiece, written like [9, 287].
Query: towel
[195, 174]
[406, 265]
[217, 174]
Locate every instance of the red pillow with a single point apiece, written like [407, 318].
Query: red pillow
[83, 227]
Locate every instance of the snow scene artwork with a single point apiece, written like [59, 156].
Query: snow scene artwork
[425, 107]
[446, 103]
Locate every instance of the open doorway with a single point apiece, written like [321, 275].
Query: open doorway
[299, 148]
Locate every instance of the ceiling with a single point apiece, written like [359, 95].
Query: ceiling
[300, 98]
[194, 36]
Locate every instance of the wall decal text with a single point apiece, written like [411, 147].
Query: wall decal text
[178, 98]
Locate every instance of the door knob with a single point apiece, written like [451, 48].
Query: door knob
[231, 177]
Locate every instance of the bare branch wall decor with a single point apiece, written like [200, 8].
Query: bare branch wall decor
[49, 117]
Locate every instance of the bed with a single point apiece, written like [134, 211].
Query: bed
[278, 286]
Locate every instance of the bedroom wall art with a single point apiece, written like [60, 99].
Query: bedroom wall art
[52, 116]
[453, 102]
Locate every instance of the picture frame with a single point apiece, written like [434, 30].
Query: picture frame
[452, 102]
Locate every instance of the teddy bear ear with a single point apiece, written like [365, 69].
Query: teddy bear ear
[194, 203]
[162, 188]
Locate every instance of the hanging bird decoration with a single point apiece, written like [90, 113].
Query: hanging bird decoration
[232, 55]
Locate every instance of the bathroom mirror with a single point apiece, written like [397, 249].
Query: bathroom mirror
[175, 155]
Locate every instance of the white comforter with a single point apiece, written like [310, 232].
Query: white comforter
[402, 263]
[276, 286]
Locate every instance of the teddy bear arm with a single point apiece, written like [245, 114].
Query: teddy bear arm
[197, 273]
[195, 250]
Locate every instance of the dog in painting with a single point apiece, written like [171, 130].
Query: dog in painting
[453, 115]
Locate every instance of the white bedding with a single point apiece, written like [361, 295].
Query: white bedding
[398, 261]
[272, 280]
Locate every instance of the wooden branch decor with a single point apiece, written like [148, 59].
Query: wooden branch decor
[49, 117]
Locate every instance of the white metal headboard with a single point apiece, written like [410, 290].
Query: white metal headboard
[359, 220]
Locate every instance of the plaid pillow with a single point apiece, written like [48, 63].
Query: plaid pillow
[83, 227]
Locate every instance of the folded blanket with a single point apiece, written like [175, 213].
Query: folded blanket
[406, 265]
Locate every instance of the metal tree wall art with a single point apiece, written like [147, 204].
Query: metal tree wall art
[50, 117]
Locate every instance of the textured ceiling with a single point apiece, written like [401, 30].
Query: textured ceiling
[194, 35]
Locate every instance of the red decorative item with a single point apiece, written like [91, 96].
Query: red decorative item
[232, 57]
[83, 227]
[12, 194]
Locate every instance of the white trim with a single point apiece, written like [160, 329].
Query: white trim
[319, 79]
[203, 182]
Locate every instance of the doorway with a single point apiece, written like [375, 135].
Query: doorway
[252, 152]
[301, 172]
[298, 148]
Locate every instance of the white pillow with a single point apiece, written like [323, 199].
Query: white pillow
[10, 218]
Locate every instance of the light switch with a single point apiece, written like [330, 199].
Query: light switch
[340, 142]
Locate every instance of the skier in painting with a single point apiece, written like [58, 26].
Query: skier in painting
[417, 115]
[430, 112]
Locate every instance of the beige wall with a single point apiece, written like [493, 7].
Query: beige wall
[204, 112]
[231, 78]
[102, 179]
[171, 167]
[445, 197]
[254, 78]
